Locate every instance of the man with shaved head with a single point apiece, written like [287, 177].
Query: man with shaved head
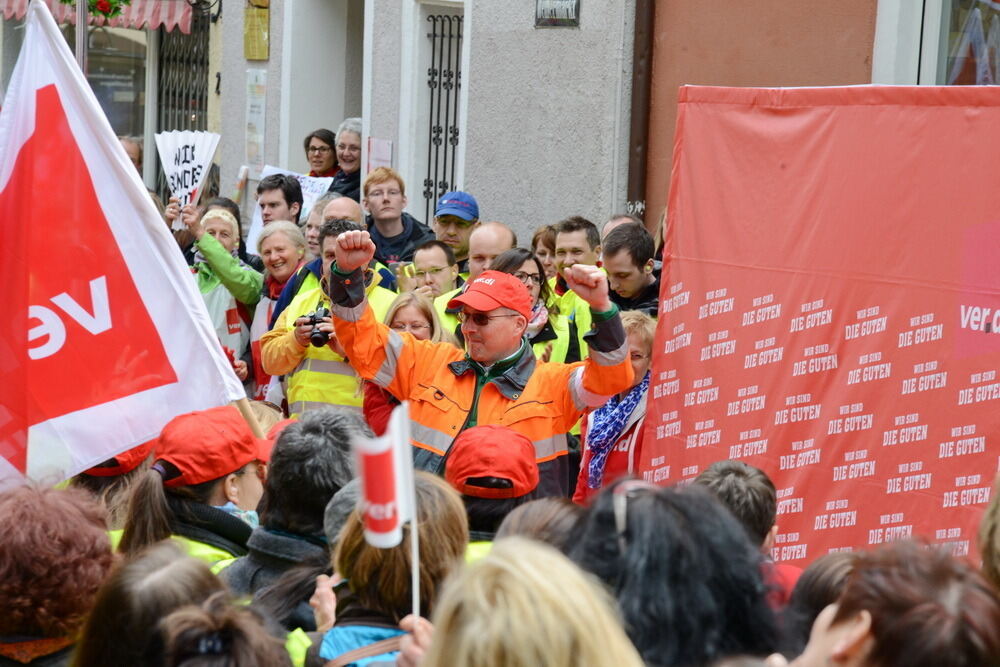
[488, 240]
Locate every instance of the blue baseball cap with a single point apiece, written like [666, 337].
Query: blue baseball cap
[458, 203]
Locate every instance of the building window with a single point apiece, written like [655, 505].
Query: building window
[971, 52]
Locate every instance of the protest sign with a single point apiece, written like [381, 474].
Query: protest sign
[107, 338]
[186, 157]
[829, 308]
[312, 189]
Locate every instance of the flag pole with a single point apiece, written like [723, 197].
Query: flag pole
[415, 562]
[81, 34]
[243, 405]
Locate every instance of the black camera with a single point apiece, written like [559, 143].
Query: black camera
[318, 338]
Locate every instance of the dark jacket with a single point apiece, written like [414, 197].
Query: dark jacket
[209, 525]
[272, 554]
[348, 185]
[647, 301]
[415, 231]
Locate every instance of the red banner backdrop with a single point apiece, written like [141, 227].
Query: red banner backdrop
[831, 308]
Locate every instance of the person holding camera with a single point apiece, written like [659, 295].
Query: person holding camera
[303, 347]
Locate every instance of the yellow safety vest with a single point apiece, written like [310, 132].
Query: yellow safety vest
[204, 552]
[449, 322]
[323, 377]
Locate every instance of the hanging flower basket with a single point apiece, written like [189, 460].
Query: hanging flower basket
[106, 8]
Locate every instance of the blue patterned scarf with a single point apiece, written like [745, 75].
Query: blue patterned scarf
[605, 426]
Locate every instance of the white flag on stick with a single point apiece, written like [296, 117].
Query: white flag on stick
[388, 496]
[186, 157]
[107, 337]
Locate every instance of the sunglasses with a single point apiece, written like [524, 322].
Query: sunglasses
[619, 504]
[480, 319]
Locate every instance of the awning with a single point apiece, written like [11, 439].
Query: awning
[140, 14]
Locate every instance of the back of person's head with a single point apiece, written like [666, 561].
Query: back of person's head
[218, 633]
[549, 520]
[54, 554]
[494, 469]
[339, 510]
[578, 223]
[195, 454]
[380, 578]
[686, 576]
[111, 480]
[633, 239]
[123, 627]
[925, 608]
[526, 605]
[290, 188]
[310, 462]
[746, 491]
[819, 586]
[989, 538]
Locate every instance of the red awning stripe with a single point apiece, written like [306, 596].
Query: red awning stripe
[140, 14]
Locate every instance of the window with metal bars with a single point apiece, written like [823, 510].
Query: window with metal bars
[183, 84]
[444, 79]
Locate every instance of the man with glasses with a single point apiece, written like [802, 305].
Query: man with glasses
[396, 234]
[434, 269]
[498, 380]
[456, 215]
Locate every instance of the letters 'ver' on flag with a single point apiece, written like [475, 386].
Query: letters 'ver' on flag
[106, 337]
[385, 468]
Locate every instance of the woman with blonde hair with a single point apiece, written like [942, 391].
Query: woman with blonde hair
[373, 593]
[413, 314]
[526, 605]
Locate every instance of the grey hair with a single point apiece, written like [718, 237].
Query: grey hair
[291, 230]
[349, 125]
[310, 462]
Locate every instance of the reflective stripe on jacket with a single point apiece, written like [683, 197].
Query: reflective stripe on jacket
[539, 400]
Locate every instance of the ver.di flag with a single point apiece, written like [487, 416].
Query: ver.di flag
[186, 157]
[385, 468]
[105, 337]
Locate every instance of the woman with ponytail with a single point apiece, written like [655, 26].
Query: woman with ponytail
[219, 634]
[202, 488]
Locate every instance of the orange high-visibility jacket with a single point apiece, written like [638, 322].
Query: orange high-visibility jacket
[540, 400]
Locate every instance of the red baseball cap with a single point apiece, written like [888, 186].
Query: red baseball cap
[495, 289]
[208, 444]
[492, 451]
[122, 463]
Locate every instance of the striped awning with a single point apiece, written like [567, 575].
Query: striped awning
[140, 14]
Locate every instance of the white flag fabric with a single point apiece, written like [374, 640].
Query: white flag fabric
[385, 468]
[186, 157]
[106, 337]
[312, 189]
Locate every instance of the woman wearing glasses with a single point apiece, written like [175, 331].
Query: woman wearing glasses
[612, 434]
[347, 180]
[413, 314]
[321, 154]
[550, 333]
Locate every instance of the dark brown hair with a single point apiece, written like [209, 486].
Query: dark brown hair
[381, 577]
[746, 491]
[54, 554]
[546, 234]
[218, 633]
[549, 520]
[821, 584]
[927, 608]
[123, 628]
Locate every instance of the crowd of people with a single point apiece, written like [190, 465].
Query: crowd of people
[526, 371]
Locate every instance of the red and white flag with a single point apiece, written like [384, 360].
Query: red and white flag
[385, 467]
[105, 336]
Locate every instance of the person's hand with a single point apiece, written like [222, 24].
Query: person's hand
[172, 210]
[354, 249]
[414, 645]
[324, 603]
[192, 220]
[590, 284]
[302, 331]
[425, 291]
[240, 368]
[547, 354]
[404, 281]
